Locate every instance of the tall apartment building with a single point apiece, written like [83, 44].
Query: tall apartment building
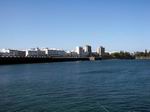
[79, 50]
[88, 50]
[101, 51]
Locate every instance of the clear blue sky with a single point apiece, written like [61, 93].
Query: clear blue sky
[115, 24]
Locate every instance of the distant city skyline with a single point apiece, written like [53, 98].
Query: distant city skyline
[115, 24]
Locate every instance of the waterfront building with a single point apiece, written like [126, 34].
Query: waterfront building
[54, 52]
[4, 52]
[21, 53]
[1, 54]
[31, 52]
[88, 49]
[12, 53]
[35, 52]
[146, 51]
[71, 54]
[80, 51]
[40, 52]
[101, 51]
[95, 54]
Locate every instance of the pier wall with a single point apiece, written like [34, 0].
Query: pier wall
[22, 60]
[143, 57]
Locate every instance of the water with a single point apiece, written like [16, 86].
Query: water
[96, 86]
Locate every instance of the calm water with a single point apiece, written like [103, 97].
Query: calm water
[96, 86]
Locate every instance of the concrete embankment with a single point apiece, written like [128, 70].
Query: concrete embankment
[23, 60]
[143, 57]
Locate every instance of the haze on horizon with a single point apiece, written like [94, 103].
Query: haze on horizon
[114, 24]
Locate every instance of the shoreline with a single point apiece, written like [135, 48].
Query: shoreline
[30, 60]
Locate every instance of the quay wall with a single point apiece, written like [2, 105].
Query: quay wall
[23, 60]
[143, 57]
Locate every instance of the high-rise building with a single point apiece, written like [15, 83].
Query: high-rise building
[79, 50]
[88, 49]
[101, 51]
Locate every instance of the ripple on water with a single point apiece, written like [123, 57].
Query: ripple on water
[103, 86]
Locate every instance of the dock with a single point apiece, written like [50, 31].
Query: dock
[25, 60]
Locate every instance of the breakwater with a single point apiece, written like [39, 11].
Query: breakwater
[23, 60]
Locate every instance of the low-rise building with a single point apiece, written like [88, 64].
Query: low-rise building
[35, 52]
[21, 53]
[54, 52]
[12, 53]
[0, 54]
[71, 54]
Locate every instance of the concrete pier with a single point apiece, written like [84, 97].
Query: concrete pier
[23, 60]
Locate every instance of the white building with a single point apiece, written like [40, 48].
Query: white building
[35, 52]
[12, 53]
[101, 51]
[54, 52]
[79, 50]
[88, 49]
[31, 53]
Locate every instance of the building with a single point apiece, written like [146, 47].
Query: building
[21, 53]
[71, 54]
[12, 53]
[35, 52]
[40, 52]
[80, 51]
[88, 50]
[101, 51]
[1, 54]
[31, 53]
[54, 52]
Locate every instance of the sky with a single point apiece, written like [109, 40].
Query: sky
[115, 24]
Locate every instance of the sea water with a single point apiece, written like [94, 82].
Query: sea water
[89, 86]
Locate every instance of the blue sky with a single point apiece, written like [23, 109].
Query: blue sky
[115, 24]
